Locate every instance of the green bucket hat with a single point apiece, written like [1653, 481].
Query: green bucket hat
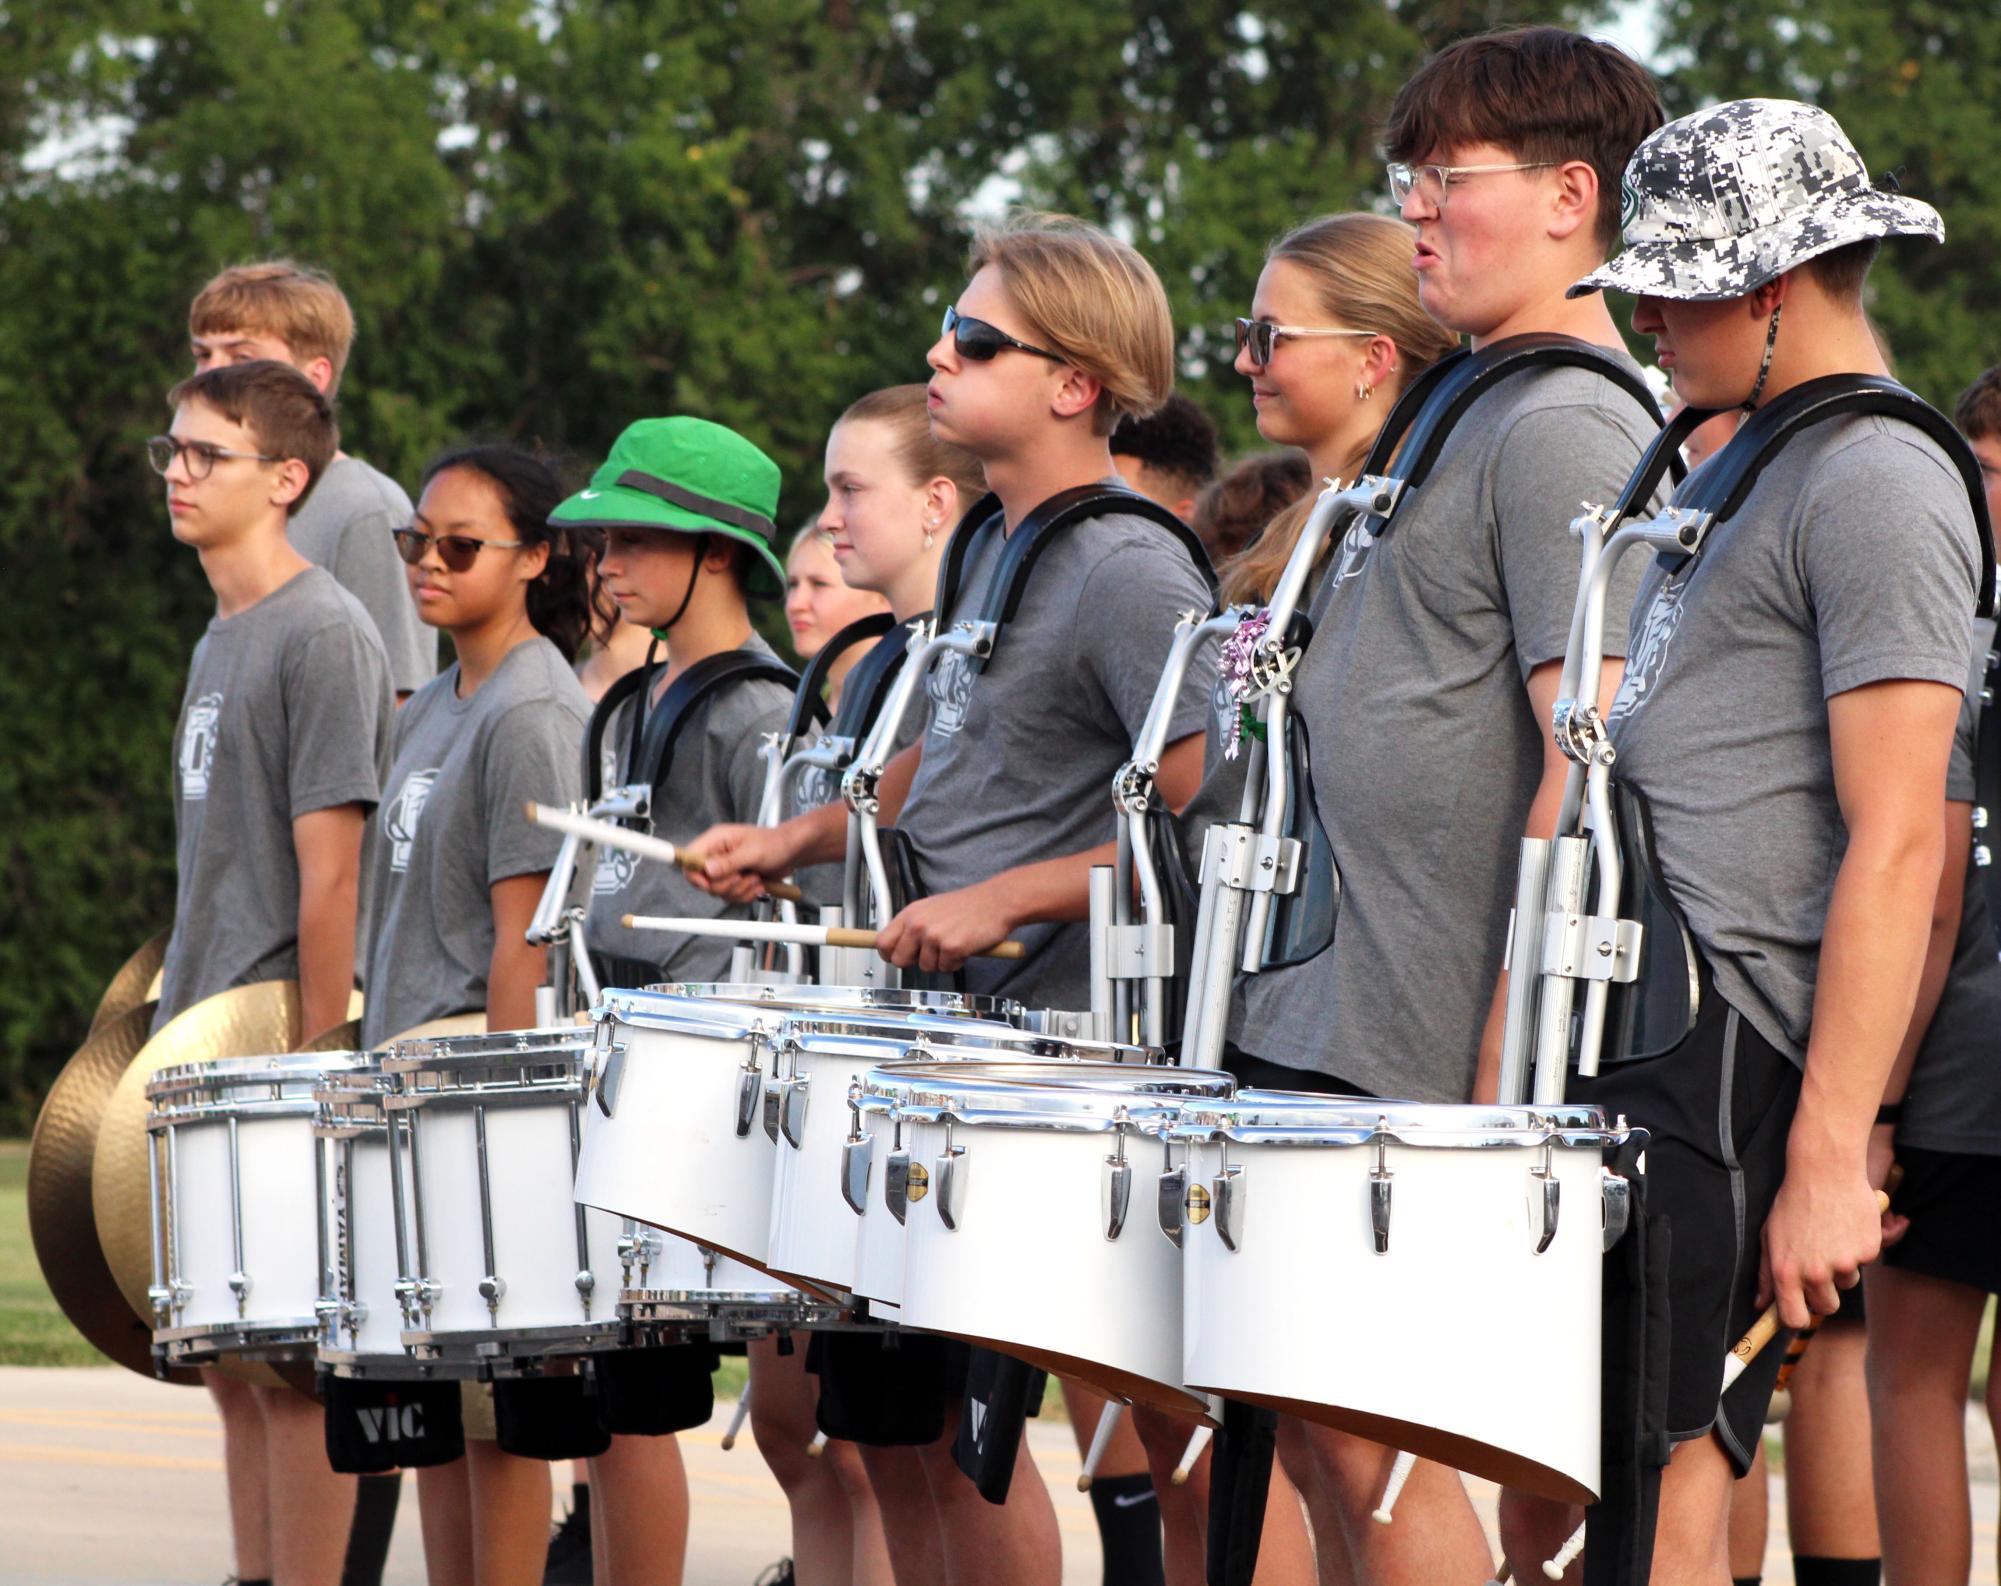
[687, 476]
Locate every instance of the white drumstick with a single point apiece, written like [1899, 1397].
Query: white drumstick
[1503, 1575]
[779, 931]
[1108, 1423]
[1565, 1555]
[1192, 1453]
[818, 1446]
[1766, 1327]
[1399, 1474]
[609, 834]
[737, 1418]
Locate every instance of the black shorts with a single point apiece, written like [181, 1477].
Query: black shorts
[1950, 1198]
[1257, 1073]
[886, 1390]
[1718, 1108]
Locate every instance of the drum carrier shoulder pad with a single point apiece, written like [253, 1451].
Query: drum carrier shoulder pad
[651, 734]
[809, 703]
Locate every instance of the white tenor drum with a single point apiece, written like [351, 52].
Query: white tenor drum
[681, 1134]
[1425, 1276]
[503, 1265]
[676, 1290]
[237, 1254]
[1024, 1191]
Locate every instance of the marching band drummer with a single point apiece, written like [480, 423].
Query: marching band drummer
[1788, 715]
[1060, 330]
[819, 603]
[1427, 687]
[283, 731]
[456, 875]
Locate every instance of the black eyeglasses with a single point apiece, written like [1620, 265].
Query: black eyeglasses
[456, 551]
[978, 341]
[199, 456]
[1261, 336]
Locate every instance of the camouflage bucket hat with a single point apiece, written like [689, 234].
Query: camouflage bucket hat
[1718, 203]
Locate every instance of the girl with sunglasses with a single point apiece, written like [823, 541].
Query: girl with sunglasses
[454, 874]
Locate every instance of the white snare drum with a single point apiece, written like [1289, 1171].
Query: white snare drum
[1425, 1276]
[504, 1265]
[817, 1068]
[237, 1254]
[1026, 1215]
[676, 1289]
[680, 1135]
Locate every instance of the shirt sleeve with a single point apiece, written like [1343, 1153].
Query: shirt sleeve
[1891, 587]
[366, 563]
[1551, 461]
[337, 708]
[530, 757]
[1126, 615]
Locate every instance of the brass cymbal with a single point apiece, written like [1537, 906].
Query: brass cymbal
[134, 982]
[341, 1038]
[451, 1024]
[59, 1200]
[246, 1021]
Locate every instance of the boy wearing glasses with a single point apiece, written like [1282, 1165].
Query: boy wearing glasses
[283, 734]
[1426, 691]
[297, 315]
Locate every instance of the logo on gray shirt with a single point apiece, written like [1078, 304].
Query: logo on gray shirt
[198, 746]
[614, 872]
[950, 686]
[399, 820]
[1650, 651]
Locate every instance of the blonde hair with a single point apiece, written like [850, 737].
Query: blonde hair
[1091, 298]
[1360, 266]
[294, 302]
[919, 453]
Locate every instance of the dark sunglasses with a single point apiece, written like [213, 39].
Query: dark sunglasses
[978, 341]
[456, 551]
[1261, 336]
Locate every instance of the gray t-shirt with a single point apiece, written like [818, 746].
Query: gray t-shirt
[1018, 759]
[1954, 1099]
[717, 775]
[286, 712]
[1425, 754]
[345, 526]
[451, 825]
[1853, 561]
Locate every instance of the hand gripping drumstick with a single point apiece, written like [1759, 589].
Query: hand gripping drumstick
[1108, 1423]
[608, 834]
[1765, 1328]
[777, 931]
[1399, 1474]
[737, 1419]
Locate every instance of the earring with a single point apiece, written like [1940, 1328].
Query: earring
[1363, 391]
[930, 536]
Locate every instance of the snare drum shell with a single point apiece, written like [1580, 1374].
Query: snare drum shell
[1459, 1342]
[362, 1240]
[279, 1200]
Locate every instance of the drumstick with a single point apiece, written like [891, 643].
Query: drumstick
[1765, 1328]
[609, 834]
[1565, 1555]
[778, 931]
[1193, 1452]
[737, 1418]
[1108, 1423]
[1399, 1474]
[818, 1446]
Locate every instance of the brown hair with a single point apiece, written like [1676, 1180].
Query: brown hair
[1978, 410]
[296, 303]
[1841, 272]
[922, 456]
[1091, 298]
[1233, 510]
[1542, 93]
[284, 412]
[1360, 265]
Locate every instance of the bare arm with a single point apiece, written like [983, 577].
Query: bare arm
[1543, 810]
[515, 969]
[1890, 743]
[327, 846]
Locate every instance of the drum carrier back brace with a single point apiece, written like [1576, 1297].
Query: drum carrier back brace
[1592, 912]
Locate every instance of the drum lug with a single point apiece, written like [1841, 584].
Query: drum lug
[792, 1099]
[239, 1285]
[748, 1087]
[418, 1296]
[1116, 1193]
[1173, 1187]
[857, 1157]
[170, 1297]
[328, 1313]
[771, 1093]
[637, 1248]
[904, 1182]
[1545, 1199]
[1228, 1195]
[1379, 1194]
[1618, 1207]
[493, 1290]
[608, 1074]
[948, 1171]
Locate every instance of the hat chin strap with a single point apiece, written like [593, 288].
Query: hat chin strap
[1765, 368]
[702, 550]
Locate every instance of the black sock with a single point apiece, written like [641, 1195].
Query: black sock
[1129, 1528]
[1747, 1580]
[375, 1500]
[1837, 1571]
[238, 1580]
[580, 1501]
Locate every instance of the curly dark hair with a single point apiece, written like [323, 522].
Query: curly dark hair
[1178, 441]
[1978, 411]
[564, 603]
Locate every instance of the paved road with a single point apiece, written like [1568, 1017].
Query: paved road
[107, 1479]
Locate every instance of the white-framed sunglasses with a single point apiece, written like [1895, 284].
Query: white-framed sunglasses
[1260, 336]
[1435, 181]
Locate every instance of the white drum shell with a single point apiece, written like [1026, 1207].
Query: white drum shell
[280, 1223]
[878, 1275]
[361, 1237]
[1459, 1331]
